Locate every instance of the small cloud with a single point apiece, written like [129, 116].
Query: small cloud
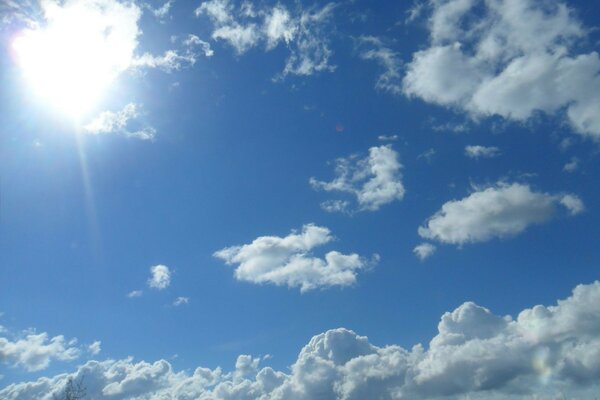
[162, 12]
[572, 165]
[181, 301]
[373, 49]
[94, 348]
[424, 251]
[477, 152]
[387, 138]
[427, 155]
[573, 204]
[333, 206]
[375, 180]
[160, 277]
[117, 122]
[135, 293]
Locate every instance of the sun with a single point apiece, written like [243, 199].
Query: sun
[72, 60]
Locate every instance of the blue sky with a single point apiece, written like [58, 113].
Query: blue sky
[192, 190]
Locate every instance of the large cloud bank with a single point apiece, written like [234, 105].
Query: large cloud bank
[542, 353]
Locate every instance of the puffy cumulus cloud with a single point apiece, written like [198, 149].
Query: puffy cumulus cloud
[510, 58]
[424, 251]
[475, 354]
[287, 261]
[35, 351]
[303, 32]
[373, 48]
[117, 122]
[497, 211]
[374, 180]
[482, 151]
[160, 277]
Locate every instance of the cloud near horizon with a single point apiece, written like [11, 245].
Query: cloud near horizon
[475, 354]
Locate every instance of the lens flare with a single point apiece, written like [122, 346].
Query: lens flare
[73, 59]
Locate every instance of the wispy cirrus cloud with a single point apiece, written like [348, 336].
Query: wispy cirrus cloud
[303, 31]
[117, 122]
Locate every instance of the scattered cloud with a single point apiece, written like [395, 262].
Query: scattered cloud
[427, 155]
[303, 32]
[160, 277]
[35, 351]
[374, 180]
[162, 12]
[388, 138]
[181, 301]
[117, 122]
[508, 58]
[477, 152]
[135, 293]
[572, 165]
[95, 348]
[475, 354]
[373, 48]
[176, 60]
[288, 261]
[424, 251]
[497, 211]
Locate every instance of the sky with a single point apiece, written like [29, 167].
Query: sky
[228, 199]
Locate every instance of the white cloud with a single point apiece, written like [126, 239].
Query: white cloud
[181, 301]
[160, 277]
[162, 12]
[424, 251]
[287, 261]
[497, 211]
[481, 152]
[374, 181]
[388, 138]
[176, 60]
[475, 354]
[303, 32]
[95, 347]
[374, 49]
[135, 293]
[34, 352]
[510, 58]
[118, 121]
[572, 203]
[572, 165]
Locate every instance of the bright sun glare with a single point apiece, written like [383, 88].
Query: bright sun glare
[72, 60]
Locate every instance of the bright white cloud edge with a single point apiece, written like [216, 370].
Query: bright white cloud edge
[288, 261]
[497, 211]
